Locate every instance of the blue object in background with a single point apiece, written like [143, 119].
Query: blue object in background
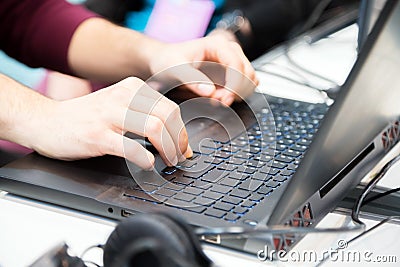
[28, 76]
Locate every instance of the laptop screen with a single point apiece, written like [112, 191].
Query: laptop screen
[367, 103]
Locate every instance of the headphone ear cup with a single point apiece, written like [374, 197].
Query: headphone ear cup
[196, 254]
[150, 239]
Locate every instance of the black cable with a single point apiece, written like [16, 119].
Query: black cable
[361, 201]
[356, 209]
[380, 195]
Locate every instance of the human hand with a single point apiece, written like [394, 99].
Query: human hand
[93, 125]
[216, 49]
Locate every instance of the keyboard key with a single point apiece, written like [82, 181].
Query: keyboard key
[291, 167]
[248, 204]
[231, 217]
[206, 151]
[280, 147]
[193, 190]
[232, 200]
[238, 143]
[213, 195]
[303, 142]
[259, 176]
[252, 150]
[207, 143]
[183, 180]
[299, 148]
[251, 185]
[267, 169]
[239, 193]
[256, 197]
[227, 167]
[223, 206]
[215, 213]
[238, 176]
[246, 170]
[201, 184]
[284, 159]
[222, 155]
[243, 155]
[292, 153]
[214, 161]
[286, 173]
[184, 197]
[194, 175]
[220, 188]
[264, 190]
[186, 165]
[229, 182]
[236, 161]
[175, 187]
[279, 178]
[273, 184]
[230, 149]
[165, 192]
[214, 175]
[278, 165]
[196, 209]
[255, 163]
[264, 158]
[203, 201]
[240, 210]
[169, 170]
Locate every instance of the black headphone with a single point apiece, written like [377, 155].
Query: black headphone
[156, 239]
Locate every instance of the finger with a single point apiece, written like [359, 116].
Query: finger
[190, 76]
[124, 147]
[169, 113]
[233, 58]
[140, 97]
[154, 129]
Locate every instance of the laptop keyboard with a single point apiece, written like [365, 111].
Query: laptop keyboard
[235, 176]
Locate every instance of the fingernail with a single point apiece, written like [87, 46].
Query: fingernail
[206, 89]
[151, 160]
[189, 152]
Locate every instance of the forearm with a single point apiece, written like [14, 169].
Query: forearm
[20, 110]
[102, 51]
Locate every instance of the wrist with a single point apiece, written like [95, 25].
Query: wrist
[140, 53]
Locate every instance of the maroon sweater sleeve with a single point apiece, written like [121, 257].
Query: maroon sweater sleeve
[38, 32]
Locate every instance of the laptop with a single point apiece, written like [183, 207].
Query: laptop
[320, 153]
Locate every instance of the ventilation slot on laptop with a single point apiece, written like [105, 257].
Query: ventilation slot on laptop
[302, 218]
[391, 136]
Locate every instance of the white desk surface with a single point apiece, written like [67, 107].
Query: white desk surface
[29, 228]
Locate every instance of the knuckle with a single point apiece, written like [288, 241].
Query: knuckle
[236, 46]
[153, 126]
[132, 82]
